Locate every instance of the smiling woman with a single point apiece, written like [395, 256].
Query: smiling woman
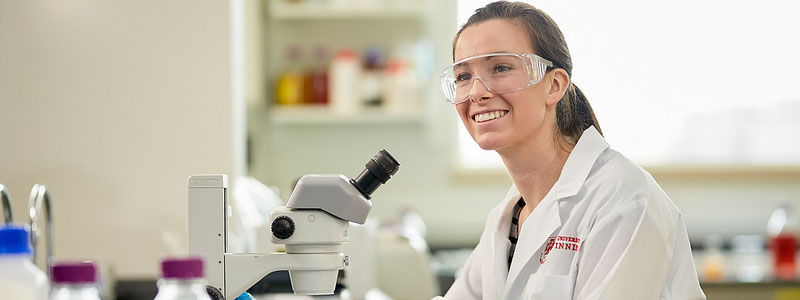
[581, 221]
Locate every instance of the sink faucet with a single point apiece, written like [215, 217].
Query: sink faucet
[39, 195]
[6, 203]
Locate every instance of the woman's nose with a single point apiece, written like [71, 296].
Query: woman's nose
[479, 91]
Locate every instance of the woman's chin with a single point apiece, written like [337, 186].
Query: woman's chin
[490, 143]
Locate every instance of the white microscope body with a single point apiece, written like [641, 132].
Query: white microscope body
[313, 225]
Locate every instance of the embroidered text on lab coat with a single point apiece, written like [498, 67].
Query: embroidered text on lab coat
[560, 243]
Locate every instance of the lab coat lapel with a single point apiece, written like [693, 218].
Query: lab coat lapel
[499, 270]
[534, 236]
[500, 242]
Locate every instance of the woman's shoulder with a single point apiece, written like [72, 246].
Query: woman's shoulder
[611, 167]
[615, 180]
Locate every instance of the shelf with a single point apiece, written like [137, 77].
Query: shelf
[303, 11]
[322, 115]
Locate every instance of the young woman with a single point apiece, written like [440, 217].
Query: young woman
[581, 221]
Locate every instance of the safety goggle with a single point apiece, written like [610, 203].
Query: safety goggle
[499, 72]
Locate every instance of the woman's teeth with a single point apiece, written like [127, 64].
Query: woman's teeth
[489, 116]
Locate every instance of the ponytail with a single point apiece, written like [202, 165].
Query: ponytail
[574, 114]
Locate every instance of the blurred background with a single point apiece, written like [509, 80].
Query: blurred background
[113, 104]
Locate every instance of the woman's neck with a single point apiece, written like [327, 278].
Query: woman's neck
[535, 166]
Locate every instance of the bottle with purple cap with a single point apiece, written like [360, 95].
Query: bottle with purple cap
[74, 281]
[182, 279]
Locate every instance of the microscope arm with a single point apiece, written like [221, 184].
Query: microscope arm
[243, 270]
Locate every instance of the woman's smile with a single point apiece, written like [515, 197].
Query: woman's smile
[488, 116]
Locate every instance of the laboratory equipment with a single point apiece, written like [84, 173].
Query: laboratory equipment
[6, 204]
[19, 277]
[312, 226]
[402, 252]
[74, 281]
[39, 196]
[182, 279]
[749, 257]
[783, 228]
[360, 276]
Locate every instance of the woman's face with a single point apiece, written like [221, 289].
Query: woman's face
[522, 113]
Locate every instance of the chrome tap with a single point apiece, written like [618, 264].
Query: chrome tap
[38, 196]
[6, 204]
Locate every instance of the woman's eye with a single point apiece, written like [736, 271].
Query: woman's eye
[501, 68]
[463, 77]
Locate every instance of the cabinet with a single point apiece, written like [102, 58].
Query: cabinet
[401, 30]
[286, 142]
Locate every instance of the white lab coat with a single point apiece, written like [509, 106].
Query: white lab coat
[605, 230]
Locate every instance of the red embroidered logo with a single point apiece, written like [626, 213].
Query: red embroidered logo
[559, 243]
[547, 250]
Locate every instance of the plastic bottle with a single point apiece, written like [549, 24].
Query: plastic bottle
[74, 281]
[344, 72]
[783, 228]
[20, 279]
[401, 90]
[182, 279]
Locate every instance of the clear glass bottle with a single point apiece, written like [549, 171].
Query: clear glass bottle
[74, 281]
[182, 279]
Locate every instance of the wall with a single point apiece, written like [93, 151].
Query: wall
[112, 104]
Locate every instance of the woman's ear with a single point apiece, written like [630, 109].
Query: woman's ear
[559, 82]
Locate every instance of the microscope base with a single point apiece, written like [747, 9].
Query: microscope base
[311, 273]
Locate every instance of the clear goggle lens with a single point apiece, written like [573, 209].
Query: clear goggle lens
[499, 72]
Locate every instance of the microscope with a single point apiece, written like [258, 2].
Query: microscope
[313, 225]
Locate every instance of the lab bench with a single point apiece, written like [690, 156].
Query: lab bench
[768, 290]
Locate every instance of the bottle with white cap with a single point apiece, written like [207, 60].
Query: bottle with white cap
[74, 281]
[20, 279]
[182, 279]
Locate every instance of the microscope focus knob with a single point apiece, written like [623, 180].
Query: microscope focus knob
[282, 227]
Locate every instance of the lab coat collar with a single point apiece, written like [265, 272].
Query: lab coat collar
[580, 163]
[547, 213]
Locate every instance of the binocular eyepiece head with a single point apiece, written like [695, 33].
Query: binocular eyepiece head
[378, 171]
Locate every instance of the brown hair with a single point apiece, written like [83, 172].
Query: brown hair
[574, 114]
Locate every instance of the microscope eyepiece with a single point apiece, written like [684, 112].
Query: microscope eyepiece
[378, 171]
